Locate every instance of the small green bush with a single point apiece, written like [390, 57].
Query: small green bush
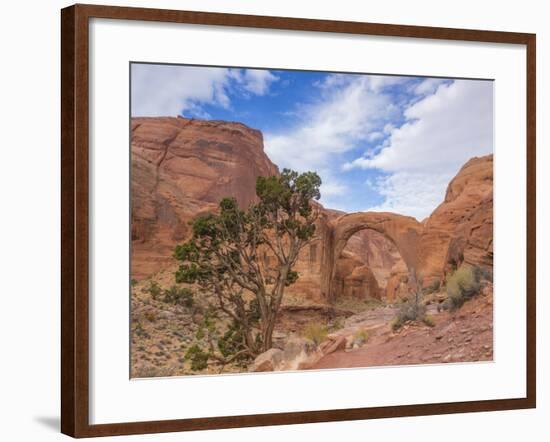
[429, 321]
[315, 332]
[411, 310]
[462, 285]
[198, 358]
[179, 296]
[153, 289]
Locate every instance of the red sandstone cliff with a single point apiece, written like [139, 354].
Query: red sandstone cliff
[183, 167]
[460, 229]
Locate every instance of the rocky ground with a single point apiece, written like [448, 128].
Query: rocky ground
[358, 334]
[463, 336]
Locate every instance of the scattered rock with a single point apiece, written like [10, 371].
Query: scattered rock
[338, 344]
[267, 361]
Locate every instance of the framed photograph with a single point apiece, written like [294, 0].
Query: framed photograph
[273, 221]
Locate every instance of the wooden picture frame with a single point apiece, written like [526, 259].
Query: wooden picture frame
[75, 379]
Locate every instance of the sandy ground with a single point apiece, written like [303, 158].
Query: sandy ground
[463, 336]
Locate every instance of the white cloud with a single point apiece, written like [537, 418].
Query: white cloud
[348, 111]
[410, 193]
[169, 90]
[442, 132]
[258, 81]
[428, 86]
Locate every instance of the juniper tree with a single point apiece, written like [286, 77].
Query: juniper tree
[243, 259]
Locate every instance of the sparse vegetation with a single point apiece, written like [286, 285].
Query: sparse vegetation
[179, 296]
[150, 315]
[462, 285]
[198, 357]
[361, 336]
[357, 305]
[412, 309]
[428, 320]
[315, 332]
[150, 371]
[153, 288]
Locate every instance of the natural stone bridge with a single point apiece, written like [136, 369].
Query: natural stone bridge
[403, 231]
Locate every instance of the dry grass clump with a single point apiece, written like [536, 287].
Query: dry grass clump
[315, 332]
[411, 310]
[462, 285]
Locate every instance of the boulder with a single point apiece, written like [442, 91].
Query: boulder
[299, 353]
[337, 344]
[267, 361]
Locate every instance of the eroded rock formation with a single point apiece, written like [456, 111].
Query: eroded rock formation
[183, 167]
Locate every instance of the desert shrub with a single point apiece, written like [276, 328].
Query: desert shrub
[150, 315]
[462, 285]
[133, 282]
[428, 320]
[361, 336]
[153, 289]
[179, 296]
[411, 310]
[198, 358]
[316, 332]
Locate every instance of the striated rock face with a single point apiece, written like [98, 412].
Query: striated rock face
[378, 253]
[396, 287]
[461, 228]
[180, 168]
[354, 279]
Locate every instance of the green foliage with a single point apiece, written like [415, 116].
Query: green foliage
[291, 278]
[429, 321]
[179, 296]
[133, 282]
[315, 332]
[153, 289]
[198, 358]
[233, 342]
[410, 310]
[462, 285]
[221, 259]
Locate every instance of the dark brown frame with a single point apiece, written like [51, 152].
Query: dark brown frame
[74, 219]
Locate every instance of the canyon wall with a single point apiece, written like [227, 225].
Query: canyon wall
[183, 167]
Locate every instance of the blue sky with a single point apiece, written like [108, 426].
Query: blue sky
[382, 143]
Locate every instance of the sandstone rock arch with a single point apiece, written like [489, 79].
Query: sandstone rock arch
[403, 231]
